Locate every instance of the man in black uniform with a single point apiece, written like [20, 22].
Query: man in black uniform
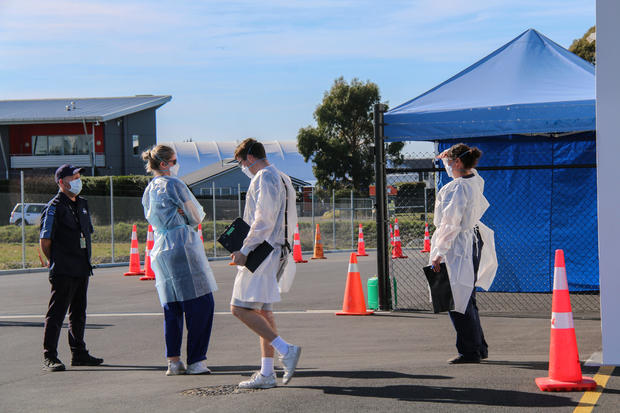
[65, 241]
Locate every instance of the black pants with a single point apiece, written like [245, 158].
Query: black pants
[199, 318]
[68, 293]
[470, 340]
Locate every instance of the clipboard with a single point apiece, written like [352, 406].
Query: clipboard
[441, 293]
[232, 239]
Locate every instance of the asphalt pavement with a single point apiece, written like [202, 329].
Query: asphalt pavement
[388, 362]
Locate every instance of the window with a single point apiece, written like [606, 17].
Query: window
[34, 209]
[135, 139]
[61, 145]
[39, 145]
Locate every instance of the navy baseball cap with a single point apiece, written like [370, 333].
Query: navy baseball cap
[66, 170]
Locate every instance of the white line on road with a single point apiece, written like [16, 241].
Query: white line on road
[28, 316]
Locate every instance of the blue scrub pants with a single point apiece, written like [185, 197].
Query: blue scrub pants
[199, 318]
[470, 340]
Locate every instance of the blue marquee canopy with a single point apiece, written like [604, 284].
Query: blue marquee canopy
[530, 107]
[529, 85]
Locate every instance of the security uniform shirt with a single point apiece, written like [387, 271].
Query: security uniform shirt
[67, 224]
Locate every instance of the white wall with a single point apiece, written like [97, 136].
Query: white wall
[608, 172]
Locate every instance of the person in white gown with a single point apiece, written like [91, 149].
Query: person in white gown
[466, 246]
[269, 208]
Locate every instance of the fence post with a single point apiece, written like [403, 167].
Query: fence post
[239, 197]
[334, 218]
[21, 177]
[313, 225]
[352, 225]
[112, 215]
[425, 204]
[385, 301]
[214, 226]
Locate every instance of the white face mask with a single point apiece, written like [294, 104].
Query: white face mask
[447, 167]
[75, 186]
[174, 169]
[247, 171]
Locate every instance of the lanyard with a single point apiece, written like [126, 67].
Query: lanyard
[68, 204]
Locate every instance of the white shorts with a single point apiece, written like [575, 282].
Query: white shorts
[252, 305]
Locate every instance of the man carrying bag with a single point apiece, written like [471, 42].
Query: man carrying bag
[269, 209]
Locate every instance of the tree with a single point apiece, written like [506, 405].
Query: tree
[586, 46]
[341, 146]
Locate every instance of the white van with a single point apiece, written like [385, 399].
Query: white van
[33, 214]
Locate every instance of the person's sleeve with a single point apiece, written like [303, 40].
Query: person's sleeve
[267, 209]
[182, 191]
[188, 202]
[47, 221]
[454, 205]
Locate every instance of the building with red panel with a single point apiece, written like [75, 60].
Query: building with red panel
[104, 135]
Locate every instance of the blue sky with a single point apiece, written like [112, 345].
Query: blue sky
[244, 68]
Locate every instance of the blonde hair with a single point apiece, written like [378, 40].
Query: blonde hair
[155, 156]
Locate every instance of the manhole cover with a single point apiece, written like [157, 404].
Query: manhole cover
[212, 391]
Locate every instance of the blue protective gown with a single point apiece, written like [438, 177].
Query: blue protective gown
[178, 258]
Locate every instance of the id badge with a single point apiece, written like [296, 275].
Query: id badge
[82, 242]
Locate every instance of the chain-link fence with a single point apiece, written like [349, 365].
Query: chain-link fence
[115, 210]
[529, 219]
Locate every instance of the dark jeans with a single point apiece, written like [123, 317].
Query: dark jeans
[199, 319]
[68, 293]
[470, 340]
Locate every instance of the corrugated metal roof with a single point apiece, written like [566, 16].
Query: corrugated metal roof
[207, 172]
[14, 112]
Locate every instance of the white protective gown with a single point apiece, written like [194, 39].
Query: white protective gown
[458, 208]
[264, 212]
[178, 258]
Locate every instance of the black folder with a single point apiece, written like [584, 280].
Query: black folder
[232, 239]
[441, 293]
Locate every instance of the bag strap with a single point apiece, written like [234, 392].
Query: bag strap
[286, 243]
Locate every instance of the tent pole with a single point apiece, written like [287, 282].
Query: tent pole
[383, 274]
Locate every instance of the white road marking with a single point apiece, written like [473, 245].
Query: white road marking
[30, 316]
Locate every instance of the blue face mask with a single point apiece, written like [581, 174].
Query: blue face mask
[76, 186]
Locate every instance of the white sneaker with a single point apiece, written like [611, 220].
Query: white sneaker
[199, 367]
[258, 381]
[175, 368]
[289, 362]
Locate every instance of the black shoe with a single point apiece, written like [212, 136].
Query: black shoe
[484, 353]
[52, 364]
[85, 359]
[460, 359]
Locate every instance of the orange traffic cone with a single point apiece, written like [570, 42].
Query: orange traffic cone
[148, 271]
[391, 235]
[200, 232]
[297, 247]
[134, 254]
[564, 367]
[397, 251]
[318, 245]
[361, 247]
[353, 302]
[427, 239]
